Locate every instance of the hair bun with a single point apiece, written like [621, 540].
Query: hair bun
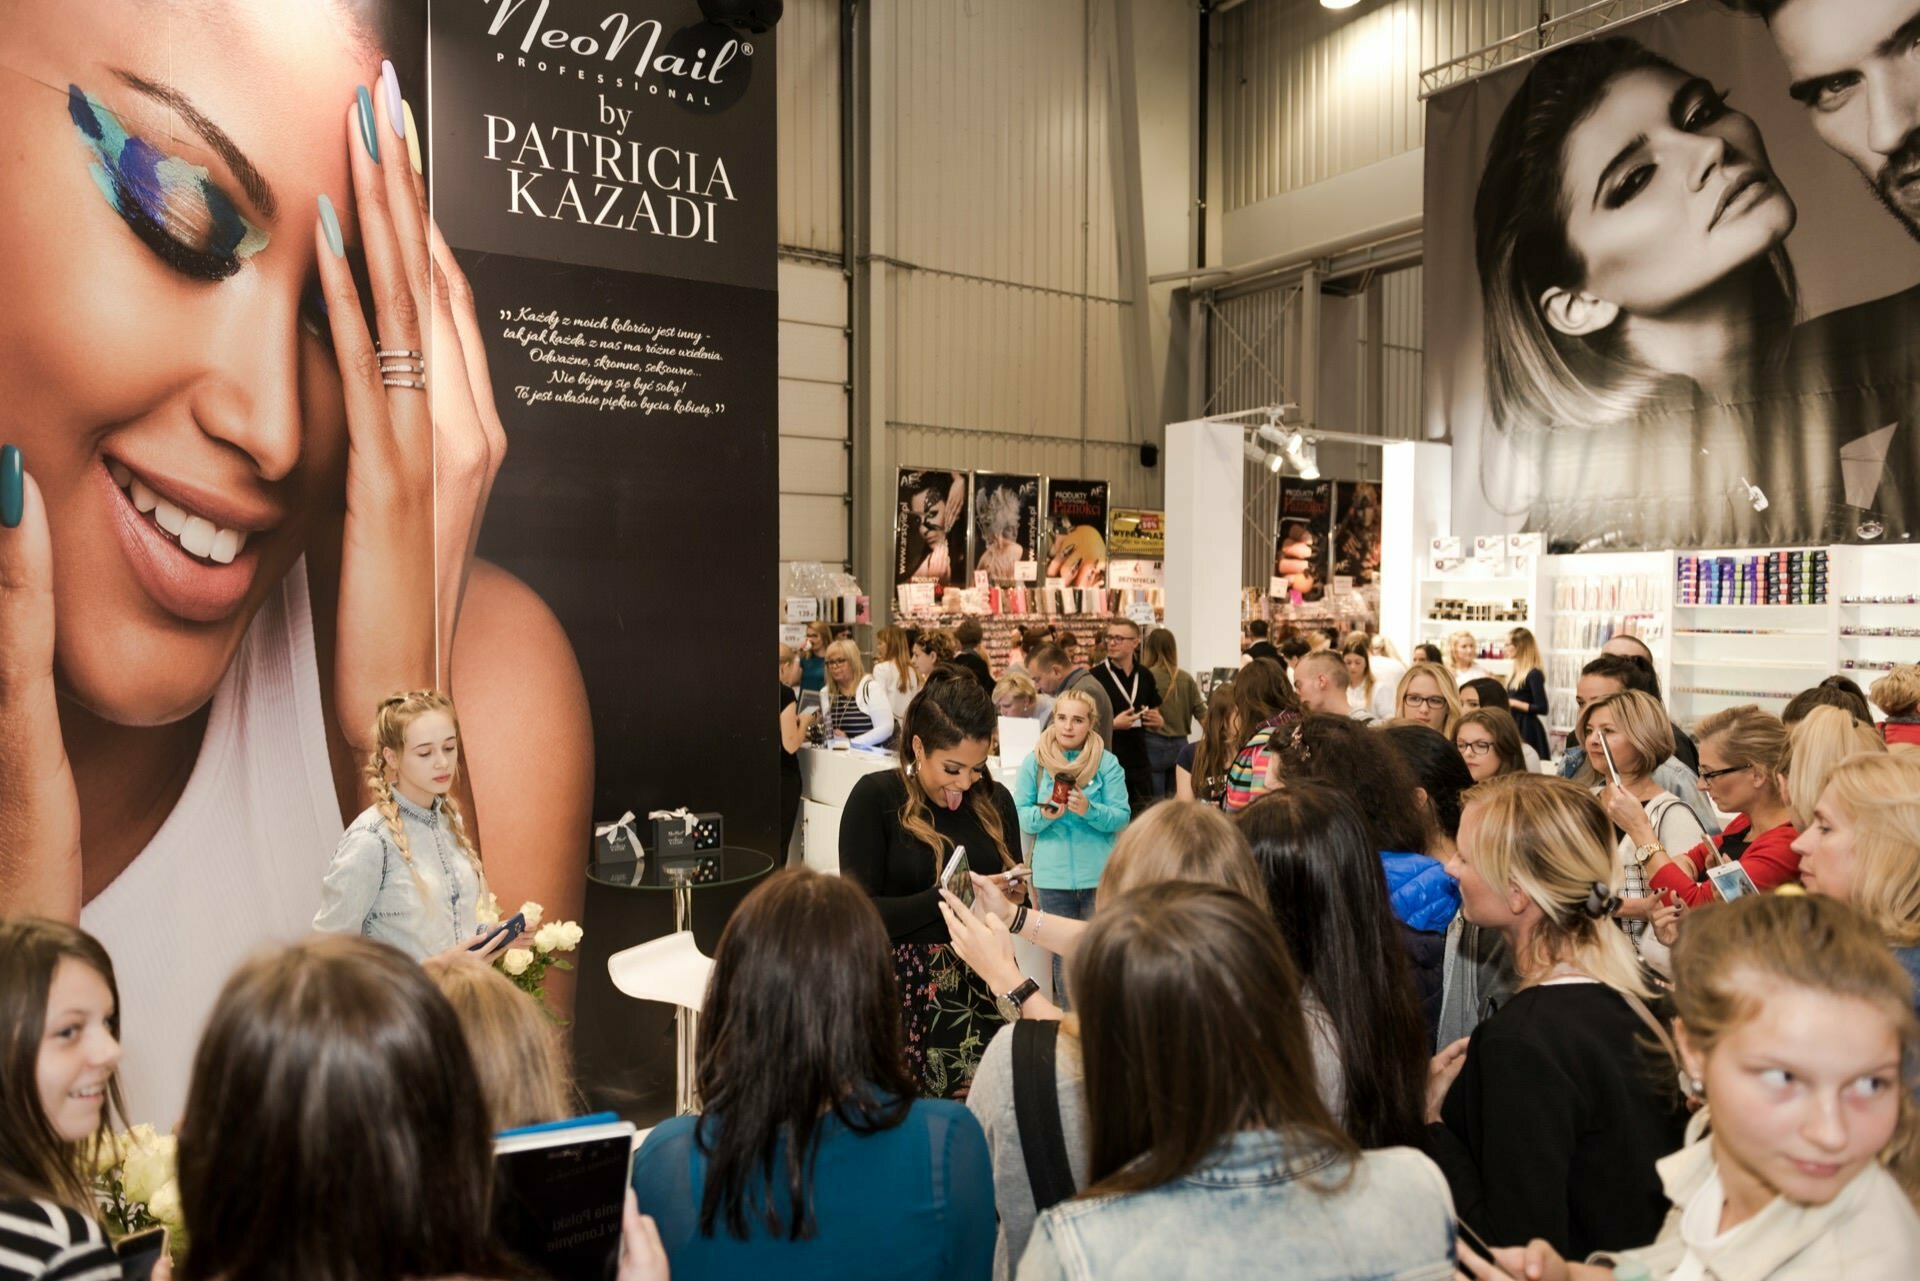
[1601, 901]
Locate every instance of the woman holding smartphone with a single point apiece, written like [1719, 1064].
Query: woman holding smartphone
[898, 831]
[406, 872]
[60, 1024]
[1072, 796]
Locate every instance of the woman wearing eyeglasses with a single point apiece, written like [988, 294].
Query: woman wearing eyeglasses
[1427, 696]
[1489, 743]
[1740, 749]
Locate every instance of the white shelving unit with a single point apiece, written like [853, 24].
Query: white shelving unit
[1589, 600]
[1493, 587]
[1877, 598]
[1725, 655]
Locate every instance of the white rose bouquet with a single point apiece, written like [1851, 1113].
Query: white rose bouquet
[137, 1189]
[528, 966]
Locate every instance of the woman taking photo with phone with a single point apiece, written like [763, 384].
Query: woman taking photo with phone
[59, 1046]
[1792, 1030]
[1740, 748]
[898, 832]
[1072, 796]
[406, 872]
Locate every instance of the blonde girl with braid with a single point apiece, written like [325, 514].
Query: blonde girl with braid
[406, 872]
[897, 832]
[1072, 796]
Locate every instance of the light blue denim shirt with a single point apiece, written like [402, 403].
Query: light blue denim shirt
[370, 889]
[1259, 1207]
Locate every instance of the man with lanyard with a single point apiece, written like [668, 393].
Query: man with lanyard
[1136, 700]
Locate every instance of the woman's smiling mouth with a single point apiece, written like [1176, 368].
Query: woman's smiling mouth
[191, 556]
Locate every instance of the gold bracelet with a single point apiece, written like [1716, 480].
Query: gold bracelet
[1651, 848]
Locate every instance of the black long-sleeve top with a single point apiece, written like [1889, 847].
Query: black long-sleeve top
[1554, 1124]
[1532, 690]
[898, 870]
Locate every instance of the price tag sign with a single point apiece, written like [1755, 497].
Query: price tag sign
[1143, 614]
[794, 634]
[1026, 571]
[802, 609]
[1277, 588]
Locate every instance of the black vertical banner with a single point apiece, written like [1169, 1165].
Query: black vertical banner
[1077, 532]
[1304, 555]
[605, 175]
[1006, 511]
[930, 528]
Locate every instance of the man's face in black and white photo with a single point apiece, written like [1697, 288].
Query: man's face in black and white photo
[1855, 66]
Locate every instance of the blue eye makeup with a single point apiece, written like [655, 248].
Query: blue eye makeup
[172, 204]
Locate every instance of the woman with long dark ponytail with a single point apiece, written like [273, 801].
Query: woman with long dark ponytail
[897, 832]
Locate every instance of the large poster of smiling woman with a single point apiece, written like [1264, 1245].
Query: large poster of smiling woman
[1671, 281]
[254, 427]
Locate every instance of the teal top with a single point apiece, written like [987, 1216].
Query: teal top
[912, 1201]
[1070, 852]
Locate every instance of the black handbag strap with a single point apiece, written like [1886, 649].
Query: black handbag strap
[1036, 1111]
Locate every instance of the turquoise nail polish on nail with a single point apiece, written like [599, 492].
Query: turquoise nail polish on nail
[330, 225]
[390, 89]
[366, 123]
[13, 487]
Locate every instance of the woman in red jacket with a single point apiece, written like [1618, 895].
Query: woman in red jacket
[1898, 695]
[1740, 749]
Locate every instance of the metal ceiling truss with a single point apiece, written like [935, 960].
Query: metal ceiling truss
[1547, 33]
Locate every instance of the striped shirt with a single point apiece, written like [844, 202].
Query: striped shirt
[44, 1241]
[1247, 776]
[846, 715]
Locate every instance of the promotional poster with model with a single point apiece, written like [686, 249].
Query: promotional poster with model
[1077, 529]
[326, 391]
[1670, 281]
[1006, 510]
[930, 533]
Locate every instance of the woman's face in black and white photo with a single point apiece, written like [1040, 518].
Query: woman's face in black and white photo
[1668, 191]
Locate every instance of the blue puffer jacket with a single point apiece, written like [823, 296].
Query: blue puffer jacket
[1424, 897]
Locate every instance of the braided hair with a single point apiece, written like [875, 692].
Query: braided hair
[390, 724]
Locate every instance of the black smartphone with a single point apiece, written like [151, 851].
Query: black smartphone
[1473, 1239]
[140, 1253]
[512, 927]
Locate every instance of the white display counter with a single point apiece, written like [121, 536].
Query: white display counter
[827, 776]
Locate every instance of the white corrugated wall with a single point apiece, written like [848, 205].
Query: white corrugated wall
[1003, 307]
[814, 349]
[1310, 93]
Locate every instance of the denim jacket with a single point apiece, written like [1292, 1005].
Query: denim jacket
[1267, 1203]
[370, 890]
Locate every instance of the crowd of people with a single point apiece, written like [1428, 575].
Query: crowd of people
[1644, 1009]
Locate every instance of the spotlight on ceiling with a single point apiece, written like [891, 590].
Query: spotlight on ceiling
[1338, 4]
[1274, 463]
[1307, 460]
[1254, 453]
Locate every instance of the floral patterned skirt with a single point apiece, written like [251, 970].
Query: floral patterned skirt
[947, 1014]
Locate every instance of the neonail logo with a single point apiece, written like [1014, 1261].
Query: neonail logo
[619, 30]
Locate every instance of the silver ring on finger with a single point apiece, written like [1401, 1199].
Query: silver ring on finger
[402, 367]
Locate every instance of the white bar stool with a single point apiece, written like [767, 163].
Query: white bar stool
[671, 970]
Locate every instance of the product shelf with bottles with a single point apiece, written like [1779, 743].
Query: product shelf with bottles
[1751, 625]
[1593, 598]
[1487, 594]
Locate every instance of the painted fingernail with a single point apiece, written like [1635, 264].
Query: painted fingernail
[13, 487]
[330, 224]
[367, 134]
[413, 136]
[390, 85]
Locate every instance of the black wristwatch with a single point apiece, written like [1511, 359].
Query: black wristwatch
[1010, 1004]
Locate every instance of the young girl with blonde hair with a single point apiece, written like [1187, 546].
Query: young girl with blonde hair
[1556, 1085]
[516, 1048]
[1793, 1028]
[405, 871]
[1072, 797]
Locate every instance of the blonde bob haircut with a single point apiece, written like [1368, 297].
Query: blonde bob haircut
[1898, 692]
[851, 652]
[1640, 720]
[1182, 841]
[1442, 678]
[1549, 838]
[1815, 748]
[1880, 793]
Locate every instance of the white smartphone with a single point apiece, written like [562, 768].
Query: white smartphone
[956, 876]
[1731, 881]
[1608, 753]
